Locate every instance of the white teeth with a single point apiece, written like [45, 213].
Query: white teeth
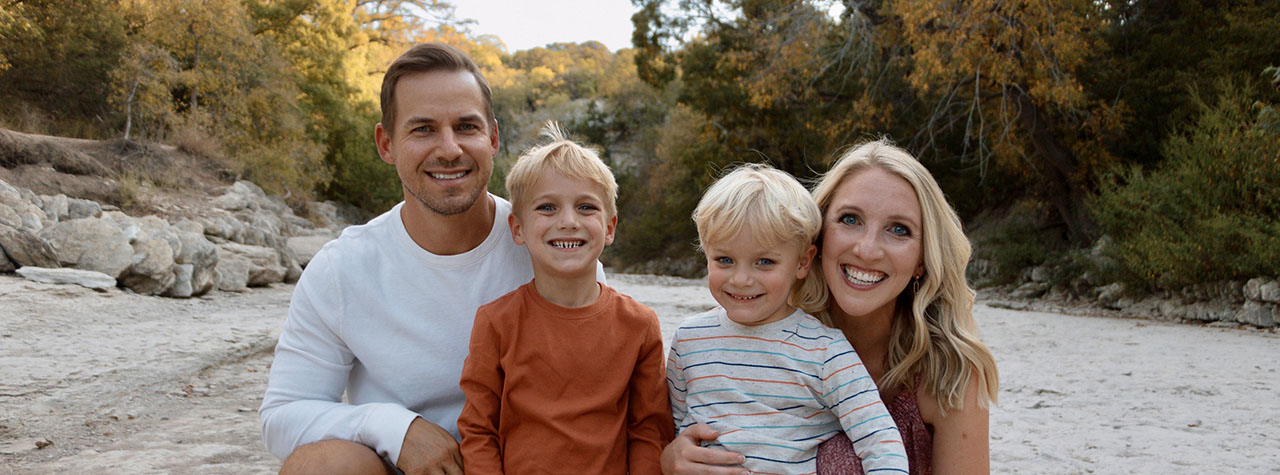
[863, 278]
[442, 176]
[567, 244]
[741, 297]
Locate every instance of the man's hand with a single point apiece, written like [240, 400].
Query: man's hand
[429, 450]
[686, 455]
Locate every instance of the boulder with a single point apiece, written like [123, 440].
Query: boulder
[1260, 314]
[21, 248]
[265, 267]
[80, 209]
[84, 278]
[56, 208]
[306, 247]
[202, 256]
[1029, 290]
[182, 285]
[232, 272]
[1269, 292]
[152, 269]
[95, 244]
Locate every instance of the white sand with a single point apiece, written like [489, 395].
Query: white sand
[121, 383]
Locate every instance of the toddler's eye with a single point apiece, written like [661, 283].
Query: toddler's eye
[765, 262]
[724, 260]
[544, 207]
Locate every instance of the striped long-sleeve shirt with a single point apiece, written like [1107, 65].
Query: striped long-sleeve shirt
[776, 391]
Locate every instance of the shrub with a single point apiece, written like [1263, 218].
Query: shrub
[1211, 211]
[1009, 243]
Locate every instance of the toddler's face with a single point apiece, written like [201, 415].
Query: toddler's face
[751, 281]
[564, 224]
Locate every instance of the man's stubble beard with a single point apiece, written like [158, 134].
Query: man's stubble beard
[444, 207]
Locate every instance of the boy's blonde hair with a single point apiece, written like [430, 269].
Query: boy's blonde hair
[771, 205]
[565, 157]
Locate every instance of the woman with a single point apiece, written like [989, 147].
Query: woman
[892, 257]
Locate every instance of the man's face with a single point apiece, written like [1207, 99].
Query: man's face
[441, 143]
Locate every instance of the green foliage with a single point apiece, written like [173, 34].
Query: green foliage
[58, 56]
[1212, 210]
[1011, 242]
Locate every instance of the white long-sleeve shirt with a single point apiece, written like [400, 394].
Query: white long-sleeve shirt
[376, 315]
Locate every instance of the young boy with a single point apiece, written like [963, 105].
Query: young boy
[769, 377]
[564, 375]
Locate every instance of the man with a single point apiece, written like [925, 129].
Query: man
[385, 311]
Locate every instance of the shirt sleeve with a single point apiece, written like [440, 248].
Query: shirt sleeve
[482, 381]
[649, 426]
[677, 387]
[849, 391]
[309, 373]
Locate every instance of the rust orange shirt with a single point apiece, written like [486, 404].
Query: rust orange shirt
[553, 389]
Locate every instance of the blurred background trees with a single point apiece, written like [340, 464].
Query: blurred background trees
[1049, 123]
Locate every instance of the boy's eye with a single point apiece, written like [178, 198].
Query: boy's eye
[849, 219]
[587, 207]
[765, 261]
[544, 207]
[724, 260]
[900, 230]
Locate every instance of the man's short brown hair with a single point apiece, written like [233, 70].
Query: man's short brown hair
[425, 58]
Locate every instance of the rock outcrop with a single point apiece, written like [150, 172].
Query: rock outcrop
[245, 238]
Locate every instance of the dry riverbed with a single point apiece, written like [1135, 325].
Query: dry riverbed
[112, 382]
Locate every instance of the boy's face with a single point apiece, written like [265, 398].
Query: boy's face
[564, 224]
[752, 281]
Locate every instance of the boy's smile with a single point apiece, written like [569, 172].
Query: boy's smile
[564, 225]
[752, 281]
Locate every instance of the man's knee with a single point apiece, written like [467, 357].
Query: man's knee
[335, 457]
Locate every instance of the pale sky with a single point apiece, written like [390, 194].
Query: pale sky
[525, 24]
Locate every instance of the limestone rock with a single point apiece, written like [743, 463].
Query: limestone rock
[56, 208]
[80, 209]
[181, 287]
[306, 247]
[21, 248]
[152, 269]
[84, 278]
[202, 256]
[1029, 290]
[1269, 292]
[232, 272]
[1260, 314]
[265, 267]
[95, 244]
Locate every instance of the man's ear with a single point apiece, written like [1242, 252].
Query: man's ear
[494, 141]
[514, 223]
[382, 138]
[608, 230]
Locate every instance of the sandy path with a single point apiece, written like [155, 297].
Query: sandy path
[128, 384]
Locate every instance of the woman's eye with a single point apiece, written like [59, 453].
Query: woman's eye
[849, 219]
[900, 230]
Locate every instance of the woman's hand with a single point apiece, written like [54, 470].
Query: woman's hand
[687, 456]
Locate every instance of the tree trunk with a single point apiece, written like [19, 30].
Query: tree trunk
[1058, 169]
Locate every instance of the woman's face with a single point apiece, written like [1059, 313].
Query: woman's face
[871, 242]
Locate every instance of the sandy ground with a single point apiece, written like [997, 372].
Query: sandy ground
[118, 383]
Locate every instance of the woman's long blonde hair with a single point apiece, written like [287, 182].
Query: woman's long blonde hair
[933, 332]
